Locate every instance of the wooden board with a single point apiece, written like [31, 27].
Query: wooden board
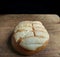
[8, 23]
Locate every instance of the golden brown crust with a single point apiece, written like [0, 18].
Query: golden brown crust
[23, 51]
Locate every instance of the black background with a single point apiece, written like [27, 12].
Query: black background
[28, 7]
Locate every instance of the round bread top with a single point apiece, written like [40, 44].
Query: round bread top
[31, 34]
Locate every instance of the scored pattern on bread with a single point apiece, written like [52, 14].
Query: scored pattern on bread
[31, 34]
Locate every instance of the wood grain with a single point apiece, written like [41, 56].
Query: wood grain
[8, 23]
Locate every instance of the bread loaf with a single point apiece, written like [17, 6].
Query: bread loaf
[30, 37]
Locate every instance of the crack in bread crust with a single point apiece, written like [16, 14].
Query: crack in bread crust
[33, 30]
